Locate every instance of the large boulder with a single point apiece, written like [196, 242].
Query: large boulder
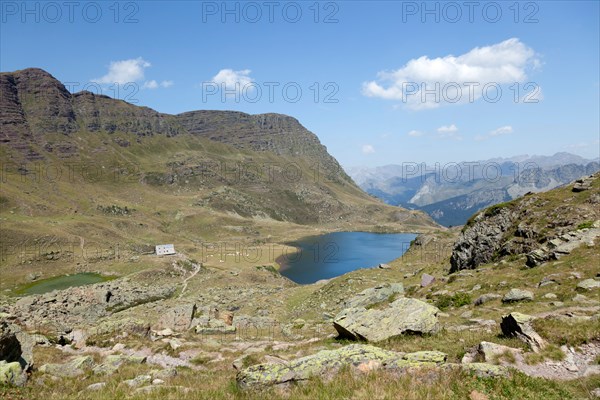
[519, 325]
[515, 295]
[405, 315]
[375, 295]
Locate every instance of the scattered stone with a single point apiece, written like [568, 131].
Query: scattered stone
[96, 386]
[551, 296]
[427, 280]
[519, 325]
[165, 332]
[164, 374]
[405, 315]
[515, 295]
[588, 284]
[138, 380]
[484, 298]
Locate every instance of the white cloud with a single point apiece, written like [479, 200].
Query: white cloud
[231, 80]
[124, 71]
[150, 85]
[368, 149]
[447, 129]
[415, 133]
[155, 85]
[425, 82]
[503, 130]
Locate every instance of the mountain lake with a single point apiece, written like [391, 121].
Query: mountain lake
[333, 254]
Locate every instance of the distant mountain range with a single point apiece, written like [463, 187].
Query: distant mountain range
[450, 193]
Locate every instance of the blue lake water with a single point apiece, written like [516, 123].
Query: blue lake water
[334, 254]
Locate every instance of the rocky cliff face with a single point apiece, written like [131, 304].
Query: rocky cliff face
[276, 133]
[531, 225]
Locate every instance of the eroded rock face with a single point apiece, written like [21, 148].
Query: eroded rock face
[477, 243]
[403, 316]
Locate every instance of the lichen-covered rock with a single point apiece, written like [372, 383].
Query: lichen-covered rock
[71, 369]
[112, 363]
[515, 295]
[11, 374]
[405, 315]
[323, 363]
[484, 370]
[426, 356]
[374, 295]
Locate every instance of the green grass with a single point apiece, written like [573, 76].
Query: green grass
[550, 352]
[586, 224]
[459, 299]
[561, 332]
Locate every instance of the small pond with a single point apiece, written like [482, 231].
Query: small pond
[60, 283]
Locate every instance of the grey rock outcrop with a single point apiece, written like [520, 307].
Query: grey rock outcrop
[478, 243]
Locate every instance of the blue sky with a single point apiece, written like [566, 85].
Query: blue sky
[361, 67]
